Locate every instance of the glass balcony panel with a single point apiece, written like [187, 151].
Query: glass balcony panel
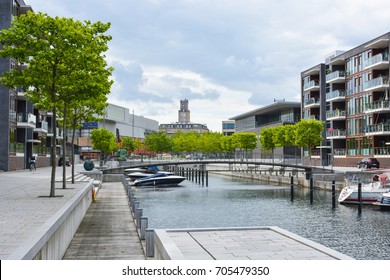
[335, 75]
[336, 94]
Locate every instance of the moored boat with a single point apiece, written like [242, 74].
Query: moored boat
[159, 180]
[370, 191]
[139, 175]
[383, 201]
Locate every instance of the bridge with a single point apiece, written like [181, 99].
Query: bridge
[250, 165]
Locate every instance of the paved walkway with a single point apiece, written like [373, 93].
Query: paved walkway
[265, 243]
[107, 232]
[25, 205]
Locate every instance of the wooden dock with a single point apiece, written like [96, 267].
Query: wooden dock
[107, 231]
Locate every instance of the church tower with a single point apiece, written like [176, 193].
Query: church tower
[184, 113]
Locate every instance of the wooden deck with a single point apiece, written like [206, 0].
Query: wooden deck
[107, 231]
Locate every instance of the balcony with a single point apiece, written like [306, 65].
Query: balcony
[335, 115]
[379, 61]
[42, 126]
[312, 102]
[25, 120]
[339, 152]
[377, 129]
[379, 83]
[311, 85]
[381, 106]
[336, 95]
[335, 77]
[336, 133]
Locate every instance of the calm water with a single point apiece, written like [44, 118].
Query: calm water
[235, 203]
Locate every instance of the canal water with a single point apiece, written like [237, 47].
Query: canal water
[229, 202]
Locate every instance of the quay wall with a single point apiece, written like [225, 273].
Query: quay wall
[278, 176]
[51, 241]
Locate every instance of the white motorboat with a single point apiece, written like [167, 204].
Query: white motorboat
[370, 191]
[158, 180]
[383, 201]
[139, 175]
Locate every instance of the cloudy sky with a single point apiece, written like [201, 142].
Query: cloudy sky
[226, 57]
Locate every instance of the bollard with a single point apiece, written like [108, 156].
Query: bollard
[149, 237]
[135, 205]
[333, 194]
[311, 190]
[359, 198]
[138, 215]
[292, 188]
[207, 178]
[144, 226]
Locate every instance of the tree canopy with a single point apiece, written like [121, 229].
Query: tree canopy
[65, 63]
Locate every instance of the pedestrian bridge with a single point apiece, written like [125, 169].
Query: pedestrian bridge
[201, 165]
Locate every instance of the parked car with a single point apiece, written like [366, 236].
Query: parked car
[61, 161]
[368, 163]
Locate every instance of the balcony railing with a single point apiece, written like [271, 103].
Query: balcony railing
[42, 126]
[335, 114]
[377, 128]
[377, 82]
[312, 101]
[339, 152]
[335, 75]
[26, 120]
[376, 59]
[378, 105]
[332, 133]
[336, 94]
[310, 84]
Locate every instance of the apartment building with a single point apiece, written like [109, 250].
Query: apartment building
[24, 130]
[350, 92]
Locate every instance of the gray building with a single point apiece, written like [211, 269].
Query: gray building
[118, 120]
[276, 114]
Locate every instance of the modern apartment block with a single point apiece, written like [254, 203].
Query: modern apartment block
[350, 92]
[24, 130]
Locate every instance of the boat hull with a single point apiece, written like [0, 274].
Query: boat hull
[159, 182]
[383, 202]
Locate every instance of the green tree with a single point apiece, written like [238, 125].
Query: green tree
[246, 141]
[64, 57]
[159, 142]
[210, 142]
[308, 134]
[128, 144]
[104, 141]
[267, 140]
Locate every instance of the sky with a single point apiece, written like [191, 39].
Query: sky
[226, 57]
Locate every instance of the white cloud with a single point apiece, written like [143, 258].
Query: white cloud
[226, 57]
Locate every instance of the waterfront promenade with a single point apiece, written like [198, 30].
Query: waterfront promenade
[27, 212]
[106, 232]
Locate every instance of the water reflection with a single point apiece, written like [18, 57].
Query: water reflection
[234, 203]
